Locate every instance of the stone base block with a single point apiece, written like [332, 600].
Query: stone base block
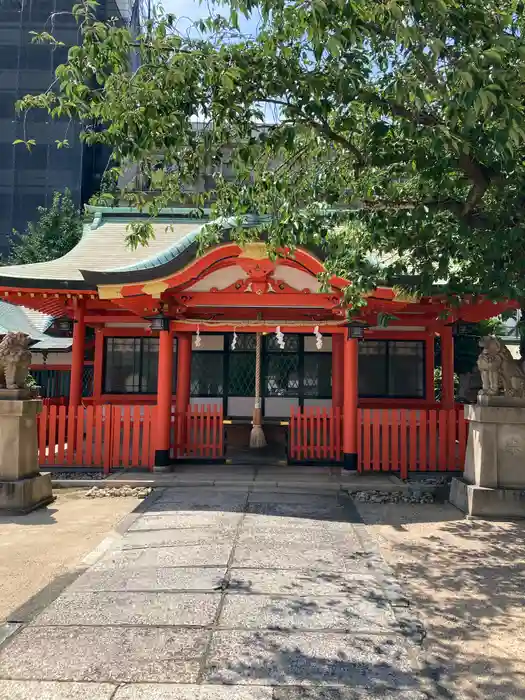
[483, 502]
[24, 495]
[16, 394]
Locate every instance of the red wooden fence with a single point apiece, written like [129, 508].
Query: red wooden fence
[96, 436]
[403, 440]
[315, 434]
[389, 440]
[132, 436]
[198, 433]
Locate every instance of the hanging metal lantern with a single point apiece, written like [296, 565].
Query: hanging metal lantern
[64, 325]
[462, 328]
[160, 322]
[356, 330]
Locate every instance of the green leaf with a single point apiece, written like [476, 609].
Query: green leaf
[467, 78]
[227, 81]
[493, 55]
[334, 46]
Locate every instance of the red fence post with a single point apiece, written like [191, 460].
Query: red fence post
[432, 440]
[107, 422]
[350, 356]
[395, 464]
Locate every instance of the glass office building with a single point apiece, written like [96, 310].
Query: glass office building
[28, 180]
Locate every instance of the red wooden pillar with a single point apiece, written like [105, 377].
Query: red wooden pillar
[164, 394]
[183, 379]
[430, 394]
[337, 370]
[350, 393]
[77, 356]
[447, 368]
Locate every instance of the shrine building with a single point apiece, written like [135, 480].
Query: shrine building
[176, 344]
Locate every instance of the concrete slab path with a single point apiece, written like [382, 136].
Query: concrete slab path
[217, 594]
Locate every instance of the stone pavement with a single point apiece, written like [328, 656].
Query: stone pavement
[215, 594]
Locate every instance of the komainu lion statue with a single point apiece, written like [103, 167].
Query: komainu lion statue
[15, 358]
[501, 374]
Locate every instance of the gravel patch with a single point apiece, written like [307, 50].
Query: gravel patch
[118, 491]
[392, 497]
[431, 481]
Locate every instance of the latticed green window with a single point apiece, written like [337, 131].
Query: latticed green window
[245, 342]
[317, 375]
[281, 366]
[291, 343]
[207, 374]
[282, 375]
[241, 374]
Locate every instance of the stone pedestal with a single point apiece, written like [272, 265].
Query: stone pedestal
[22, 487]
[493, 483]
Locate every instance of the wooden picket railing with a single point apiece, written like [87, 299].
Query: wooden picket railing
[389, 440]
[132, 436]
[96, 436]
[198, 434]
[315, 434]
[403, 440]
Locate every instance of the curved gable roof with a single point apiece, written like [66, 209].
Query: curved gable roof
[103, 257]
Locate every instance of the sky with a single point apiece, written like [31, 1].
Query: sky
[191, 10]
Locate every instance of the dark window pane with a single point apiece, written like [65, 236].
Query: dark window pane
[131, 365]
[149, 365]
[7, 104]
[373, 368]
[8, 57]
[207, 374]
[317, 380]
[35, 159]
[35, 57]
[122, 370]
[391, 368]
[406, 368]
[60, 56]
[6, 156]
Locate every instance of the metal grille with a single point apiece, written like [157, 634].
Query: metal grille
[282, 375]
[87, 380]
[207, 373]
[55, 383]
[291, 343]
[317, 376]
[245, 342]
[241, 374]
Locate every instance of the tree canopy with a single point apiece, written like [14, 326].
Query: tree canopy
[55, 233]
[397, 138]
